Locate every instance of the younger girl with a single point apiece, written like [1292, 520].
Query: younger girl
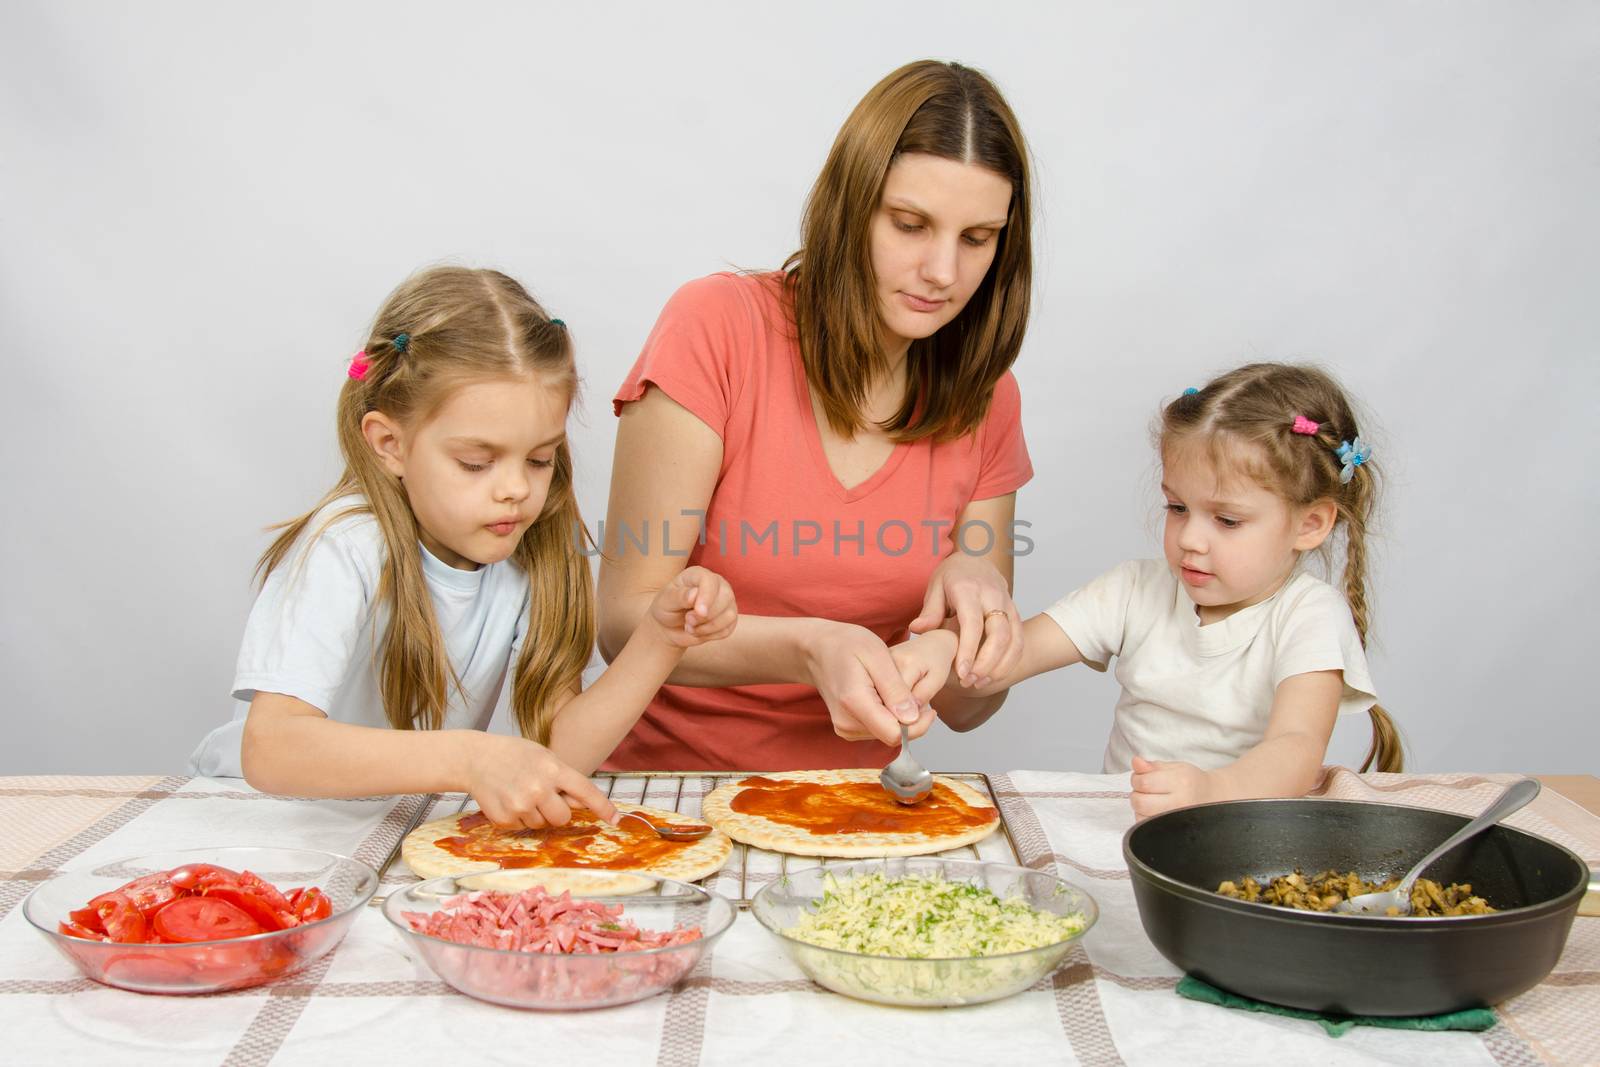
[1234, 663]
[447, 552]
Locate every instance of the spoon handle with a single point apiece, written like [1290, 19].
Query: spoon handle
[1517, 795]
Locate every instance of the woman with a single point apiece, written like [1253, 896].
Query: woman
[841, 440]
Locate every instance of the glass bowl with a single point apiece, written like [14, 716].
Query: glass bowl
[206, 966]
[927, 982]
[567, 981]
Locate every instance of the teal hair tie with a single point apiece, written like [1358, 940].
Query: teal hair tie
[558, 322]
[400, 342]
[1352, 454]
[1191, 391]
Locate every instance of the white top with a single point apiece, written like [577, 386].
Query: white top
[316, 622]
[1203, 694]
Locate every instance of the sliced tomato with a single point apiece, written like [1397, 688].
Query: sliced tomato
[122, 921]
[204, 919]
[197, 876]
[256, 884]
[311, 904]
[89, 918]
[254, 905]
[72, 929]
[151, 892]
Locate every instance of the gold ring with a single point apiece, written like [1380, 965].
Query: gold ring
[994, 611]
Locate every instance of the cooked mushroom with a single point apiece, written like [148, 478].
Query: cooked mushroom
[1327, 889]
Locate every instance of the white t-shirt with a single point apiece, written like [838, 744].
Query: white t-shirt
[1203, 694]
[315, 624]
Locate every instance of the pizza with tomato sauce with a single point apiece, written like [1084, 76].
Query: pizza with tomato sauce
[469, 843]
[847, 814]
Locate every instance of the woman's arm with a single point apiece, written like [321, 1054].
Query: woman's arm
[292, 748]
[1284, 763]
[665, 466]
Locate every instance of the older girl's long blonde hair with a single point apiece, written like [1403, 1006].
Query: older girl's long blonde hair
[454, 326]
[1246, 419]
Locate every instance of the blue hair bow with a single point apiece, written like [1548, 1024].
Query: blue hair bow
[1353, 454]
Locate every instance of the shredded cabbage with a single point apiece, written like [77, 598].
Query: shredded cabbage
[927, 918]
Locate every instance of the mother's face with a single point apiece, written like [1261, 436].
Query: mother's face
[933, 238]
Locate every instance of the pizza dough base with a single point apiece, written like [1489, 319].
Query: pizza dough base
[694, 861]
[760, 832]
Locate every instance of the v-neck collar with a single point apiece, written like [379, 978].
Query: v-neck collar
[819, 455]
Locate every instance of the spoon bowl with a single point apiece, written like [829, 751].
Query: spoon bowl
[905, 779]
[670, 831]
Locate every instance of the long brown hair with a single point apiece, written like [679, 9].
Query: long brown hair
[1246, 419]
[944, 110]
[459, 326]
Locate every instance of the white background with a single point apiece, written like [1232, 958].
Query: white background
[202, 205]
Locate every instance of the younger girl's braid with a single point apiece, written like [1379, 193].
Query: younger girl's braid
[1356, 505]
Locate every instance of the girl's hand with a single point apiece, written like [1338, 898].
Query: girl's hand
[972, 592]
[694, 608]
[1159, 787]
[925, 664]
[861, 684]
[520, 783]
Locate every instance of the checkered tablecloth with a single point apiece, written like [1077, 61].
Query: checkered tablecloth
[1112, 1002]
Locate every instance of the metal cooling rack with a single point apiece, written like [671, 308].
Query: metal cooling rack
[748, 868]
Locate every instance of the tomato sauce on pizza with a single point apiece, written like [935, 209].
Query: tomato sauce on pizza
[856, 808]
[571, 845]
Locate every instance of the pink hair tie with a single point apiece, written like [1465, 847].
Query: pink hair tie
[359, 365]
[1304, 425]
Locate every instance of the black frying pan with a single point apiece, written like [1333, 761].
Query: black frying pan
[1351, 964]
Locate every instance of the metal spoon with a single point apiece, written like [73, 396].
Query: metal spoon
[905, 779]
[670, 831]
[1397, 901]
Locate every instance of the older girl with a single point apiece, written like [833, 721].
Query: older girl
[445, 556]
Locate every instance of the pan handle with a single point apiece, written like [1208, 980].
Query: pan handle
[1590, 904]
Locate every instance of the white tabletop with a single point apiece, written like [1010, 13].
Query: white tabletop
[370, 1001]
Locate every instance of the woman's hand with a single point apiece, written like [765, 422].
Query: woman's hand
[1159, 787]
[520, 783]
[975, 594]
[861, 684]
[697, 606]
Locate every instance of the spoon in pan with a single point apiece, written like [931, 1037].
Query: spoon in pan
[905, 779]
[1397, 901]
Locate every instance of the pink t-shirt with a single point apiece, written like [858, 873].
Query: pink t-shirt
[789, 538]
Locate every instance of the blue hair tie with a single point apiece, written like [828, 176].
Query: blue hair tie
[1352, 454]
[1191, 391]
[558, 322]
[400, 342]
